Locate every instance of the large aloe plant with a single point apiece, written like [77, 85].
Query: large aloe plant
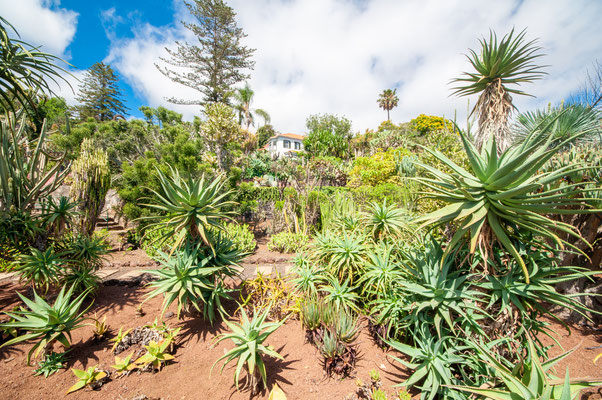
[28, 171]
[47, 323]
[504, 194]
[528, 380]
[193, 207]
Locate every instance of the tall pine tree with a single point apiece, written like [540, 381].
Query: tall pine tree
[99, 96]
[219, 60]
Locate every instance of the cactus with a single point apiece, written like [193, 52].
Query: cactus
[27, 171]
[91, 182]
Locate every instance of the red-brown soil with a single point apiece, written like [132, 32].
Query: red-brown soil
[300, 375]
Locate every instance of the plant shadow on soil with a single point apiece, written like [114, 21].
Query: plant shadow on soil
[300, 374]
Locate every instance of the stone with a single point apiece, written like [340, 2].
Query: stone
[7, 275]
[104, 273]
[264, 270]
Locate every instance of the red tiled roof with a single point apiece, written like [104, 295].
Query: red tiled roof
[292, 136]
[289, 136]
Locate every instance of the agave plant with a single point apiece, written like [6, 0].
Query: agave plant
[89, 377]
[432, 362]
[193, 206]
[340, 295]
[382, 272]
[509, 294]
[191, 279]
[561, 123]
[439, 295]
[308, 277]
[40, 268]
[82, 279]
[502, 195]
[345, 326]
[47, 323]
[58, 215]
[385, 220]
[332, 350]
[124, 365]
[499, 66]
[51, 363]
[529, 380]
[311, 319]
[344, 255]
[119, 338]
[249, 337]
[156, 354]
[86, 251]
[389, 313]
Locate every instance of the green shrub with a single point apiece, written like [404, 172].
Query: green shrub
[193, 207]
[241, 236]
[377, 169]
[287, 242]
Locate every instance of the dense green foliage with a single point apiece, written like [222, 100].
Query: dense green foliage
[328, 135]
[287, 242]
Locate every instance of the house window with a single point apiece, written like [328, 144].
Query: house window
[287, 144]
[297, 145]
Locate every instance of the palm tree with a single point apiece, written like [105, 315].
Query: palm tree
[243, 98]
[388, 100]
[24, 70]
[509, 62]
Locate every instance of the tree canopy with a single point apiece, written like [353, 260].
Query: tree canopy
[328, 135]
[99, 95]
[219, 60]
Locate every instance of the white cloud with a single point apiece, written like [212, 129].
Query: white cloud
[333, 56]
[336, 56]
[42, 22]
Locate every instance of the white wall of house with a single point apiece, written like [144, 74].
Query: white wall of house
[279, 145]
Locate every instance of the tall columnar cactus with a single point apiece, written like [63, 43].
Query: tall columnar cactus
[91, 181]
[27, 171]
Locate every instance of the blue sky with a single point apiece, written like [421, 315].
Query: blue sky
[322, 56]
[91, 41]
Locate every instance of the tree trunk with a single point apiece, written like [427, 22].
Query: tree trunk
[590, 227]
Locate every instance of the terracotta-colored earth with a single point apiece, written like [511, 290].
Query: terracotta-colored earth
[300, 375]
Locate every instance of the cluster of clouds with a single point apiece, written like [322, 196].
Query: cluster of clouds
[336, 56]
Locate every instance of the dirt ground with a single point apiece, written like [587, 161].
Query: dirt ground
[300, 375]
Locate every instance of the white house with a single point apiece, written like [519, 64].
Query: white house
[285, 144]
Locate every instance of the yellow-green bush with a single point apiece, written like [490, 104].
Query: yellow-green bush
[429, 123]
[376, 169]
